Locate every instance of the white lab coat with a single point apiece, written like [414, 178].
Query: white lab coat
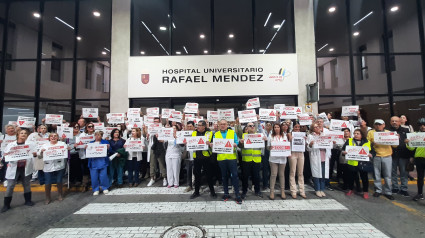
[137, 154]
[13, 165]
[52, 165]
[315, 161]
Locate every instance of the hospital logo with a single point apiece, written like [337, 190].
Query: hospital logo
[145, 78]
[281, 75]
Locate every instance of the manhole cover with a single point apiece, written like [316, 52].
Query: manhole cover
[183, 232]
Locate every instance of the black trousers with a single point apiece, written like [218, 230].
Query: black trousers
[353, 176]
[75, 169]
[250, 169]
[207, 165]
[420, 168]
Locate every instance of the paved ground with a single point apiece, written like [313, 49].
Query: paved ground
[149, 212]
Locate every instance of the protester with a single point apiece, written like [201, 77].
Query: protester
[404, 122]
[265, 165]
[9, 137]
[188, 156]
[116, 166]
[99, 167]
[134, 159]
[157, 156]
[296, 164]
[173, 158]
[419, 159]
[88, 131]
[75, 165]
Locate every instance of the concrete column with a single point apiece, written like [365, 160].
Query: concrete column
[305, 47]
[120, 52]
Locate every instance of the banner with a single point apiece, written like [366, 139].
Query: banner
[82, 141]
[55, 152]
[166, 134]
[134, 145]
[26, 122]
[191, 108]
[196, 143]
[305, 120]
[54, 119]
[253, 103]
[280, 148]
[182, 135]
[152, 112]
[116, 118]
[223, 146]
[350, 111]
[323, 142]
[212, 116]
[95, 150]
[267, 114]
[254, 141]
[247, 116]
[198, 119]
[176, 116]
[337, 125]
[65, 132]
[337, 136]
[226, 114]
[90, 112]
[19, 152]
[357, 153]
[298, 141]
[416, 139]
[166, 112]
[386, 138]
[133, 112]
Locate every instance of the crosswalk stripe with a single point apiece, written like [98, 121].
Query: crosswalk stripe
[333, 230]
[212, 206]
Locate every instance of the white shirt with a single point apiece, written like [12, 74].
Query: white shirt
[174, 150]
[53, 165]
[277, 159]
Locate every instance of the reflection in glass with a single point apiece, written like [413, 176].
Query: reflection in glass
[20, 80]
[56, 79]
[369, 74]
[333, 75]
[93, 79]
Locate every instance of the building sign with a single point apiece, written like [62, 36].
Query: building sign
[212, 75]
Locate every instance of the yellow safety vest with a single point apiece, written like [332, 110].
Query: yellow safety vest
[249, 155]
[230, 135]
[206, 153]
[351, 143]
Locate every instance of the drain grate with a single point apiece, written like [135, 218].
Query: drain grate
[184, 232]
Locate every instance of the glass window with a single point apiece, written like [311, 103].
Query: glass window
[412, 107]
[56, 79]
[331, 27]
[150, 28]
[103, 107]
[233, 27]
[93, 79]
[20, 80]
[334, 75]
[60, 107]
[94, 32]
[274, 26]
[23, 30]
[188, 26]
[333, 105]
[406, 73]
[373, 108]
[12, 110]
[58, 29]
[370, 75]
[2, 17]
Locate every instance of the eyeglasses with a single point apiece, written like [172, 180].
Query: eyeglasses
[250, 125]
[90, 126]
[76, 127]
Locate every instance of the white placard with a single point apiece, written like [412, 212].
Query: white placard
[116, 118]
[189, 76]
[134, 122]
[54, 152]
[416, 139]
[280, 148]
[12, 123]
[324, 117]
[290, 112]
[357, 153]
[134, 145]
[323, 142]
[223, 146]
[182, 135]
[90, 112]
[95, 150]
[5, 143]
[279, 107]
[267, 114]
[337, 125]
[350, 111]
[305, 119]
[39, 142]
[82, 141]
[253, 103]
[166, 134]
[253, 141]
[191, 108]
[26, 122]
[247, 116]
[176, 116]
[386, 138]
[153, 129]
[298, 141]
[65, 132]
[226, 114]
[133, 112]
[213, 116]
[19, 152]
[166, 112]
[198, 119]
[337, 136]
[152, 112]
[99, 126]
[146, 120]
[54, 119]
[196, 143]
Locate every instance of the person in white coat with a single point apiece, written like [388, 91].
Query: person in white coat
[88, 131]
[319, 160]
[6, 139]
[134, 159]
[21, 169]
[173, 158]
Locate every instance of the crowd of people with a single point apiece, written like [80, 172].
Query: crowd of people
[164, 160]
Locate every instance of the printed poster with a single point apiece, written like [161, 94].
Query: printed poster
[350, 111]
[223, 146]
[55, 152]
[386, 138]
[253, 141]
[280, 148]
[357, 153]
[196, 143]
[267, 114]
[191, 108]
[54, 119]
[416, 139]
[253, 103]
[247, 116]
[90, 112]
[95, 150]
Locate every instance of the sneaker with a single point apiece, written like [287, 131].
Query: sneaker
[349, 193]
[151, 183]
[188, 189]
[225, 197]
[330, 188]
[176, 186]
[395, 190]
[169, 186]
[5, 183]
[106, 191]
[164, 182]
[366, 195]
[194, 195]
[390, 197]
[418, 197]
[213, 195]
[376, 194]
[238, 200]
[96, 193]
[259, 194]
[404, 194]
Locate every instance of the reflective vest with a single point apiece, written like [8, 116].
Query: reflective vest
[206, 153]
[249, 155]
[351, 143]
[230, 135]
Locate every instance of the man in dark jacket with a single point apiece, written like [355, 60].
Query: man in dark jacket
[400, 157]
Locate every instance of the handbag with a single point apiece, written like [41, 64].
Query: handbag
[410, 166]
[366, 166]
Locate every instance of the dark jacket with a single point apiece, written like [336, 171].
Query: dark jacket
[401, 151]
[158, 147]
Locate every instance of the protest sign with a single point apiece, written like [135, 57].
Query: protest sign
[226, 114]
[298, 141]
[253, 141]
[267, 114]
[212, 116]
[90, 112]
[279, 107]
[191, 108]
[54, 119]
[253, 103]
[96, 150]
[357, 153]
[337, 125]
[134, 145]
[26, 122]
[416, 139]
[305, 119]
[350, 110]
[166, 112]
[196, 143]
[152, 112]
[166, 134]
[133, 112]
[280, 148]
[182, 135]
[323, 142]
[337, 136]
[65, 132]
[82, 141]
[116, 118]
[19, 152]
[55, 152]
[223, 146]
[154, 128]
[247, 116]
[386, 138]
[176, 116]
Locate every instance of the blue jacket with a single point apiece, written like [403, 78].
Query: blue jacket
[101, 162]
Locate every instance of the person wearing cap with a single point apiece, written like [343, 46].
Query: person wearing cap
[382, 162]
[419, 159]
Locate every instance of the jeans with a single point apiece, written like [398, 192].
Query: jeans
[383, 164]
[54, 177]
[401, 164]
[319, 183]
[420, 168]
[265, 168]
[99, 177]
[112, 170]
[253, 169]
[133, 167]
[158, 159]
[226, 167]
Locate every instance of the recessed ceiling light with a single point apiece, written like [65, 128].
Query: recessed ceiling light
[205, 51]
[36, 15]
[394, 9]
[96, 14]
[331, 49]
[229, 51]
[276, 26]
[356, 33]
[178, 53]
[163, 28]
[202, 36]
[261, 51]
[231, 35]
[332, 9]
[104, 53]
[142, 52]
[79, 38]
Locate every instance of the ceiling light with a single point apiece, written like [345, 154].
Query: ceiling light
[205, 51]
[68, 25]
[394, 9]
[36, 15]
[267, 20]
[174, 26]
[163, 28]
[261, 51]
[231, 35]
[106, 49]
[321, 48]
[202, 36]
[178, 53]
[79, 38]
[96, 14]
[331, 49]
[276, 26]
[104, 53]
[331, 9]
[370, 13]
[142, 52]
[356, 33]
[185, 50]
[229, 51]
